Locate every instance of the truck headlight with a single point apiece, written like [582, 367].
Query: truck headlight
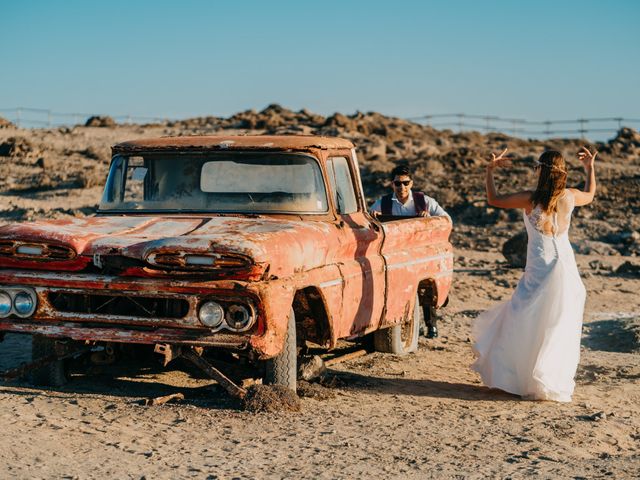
[24, 304]
[5, 304]
[239, 318]
[211, 314]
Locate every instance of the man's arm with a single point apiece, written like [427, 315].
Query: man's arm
[376, 208]
[434, 209]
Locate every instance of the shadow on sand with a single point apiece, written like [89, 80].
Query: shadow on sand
[425, 388]
[620, 335]
[134, 385]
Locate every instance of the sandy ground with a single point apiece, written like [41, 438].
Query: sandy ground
[381, 416]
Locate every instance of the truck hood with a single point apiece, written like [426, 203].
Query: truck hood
[285, 246]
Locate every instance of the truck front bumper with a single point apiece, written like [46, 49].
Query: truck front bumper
[148, 310]
[124, 334]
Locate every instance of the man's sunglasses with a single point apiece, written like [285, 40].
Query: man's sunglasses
[397, 183]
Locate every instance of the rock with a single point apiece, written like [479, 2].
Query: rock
[312, 368]
[16, 147]
[515, 250]
[624, 236]
[274, 108]
[627, 135]
[434, 167]
[100, 121]
[340, 121]
[377, 150]
[595, 417]
[590, 247]
[628, 269]
[600, 266]
[92, 153]
[89, 178]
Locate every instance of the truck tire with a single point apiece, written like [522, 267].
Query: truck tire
[53, 374]
[400, 339]
[283, 368]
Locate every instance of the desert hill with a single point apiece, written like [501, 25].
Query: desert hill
[57, 172]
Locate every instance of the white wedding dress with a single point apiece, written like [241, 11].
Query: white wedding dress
[530, 345]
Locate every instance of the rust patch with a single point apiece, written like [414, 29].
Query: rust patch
[243, 142]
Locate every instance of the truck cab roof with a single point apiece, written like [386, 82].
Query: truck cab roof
[234, 142]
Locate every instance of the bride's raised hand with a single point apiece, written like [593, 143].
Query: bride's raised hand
[587, 158]
[499, 160]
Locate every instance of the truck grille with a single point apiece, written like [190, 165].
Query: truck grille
[125, 306]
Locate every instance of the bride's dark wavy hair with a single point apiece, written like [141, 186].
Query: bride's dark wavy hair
[552, 180]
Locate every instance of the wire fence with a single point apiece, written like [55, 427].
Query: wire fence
[519, 127]
[24, 117]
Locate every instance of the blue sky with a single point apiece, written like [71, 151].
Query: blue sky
[535, 60]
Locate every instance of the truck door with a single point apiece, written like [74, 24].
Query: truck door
[360, 262]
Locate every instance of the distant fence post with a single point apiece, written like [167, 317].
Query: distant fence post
[582, 130]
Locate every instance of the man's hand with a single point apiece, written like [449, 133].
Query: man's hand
[499, 160]
[424, 214]
[587, 158]
[374, 213]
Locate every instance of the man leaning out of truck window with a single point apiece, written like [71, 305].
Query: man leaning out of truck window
[404, 201]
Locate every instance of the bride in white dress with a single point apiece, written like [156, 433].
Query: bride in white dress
[530, 345]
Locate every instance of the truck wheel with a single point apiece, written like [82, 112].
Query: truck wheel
[53, 374]
[283, 369]
[400, 339]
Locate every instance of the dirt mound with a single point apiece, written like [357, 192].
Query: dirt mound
[100, 121]
[270, 398]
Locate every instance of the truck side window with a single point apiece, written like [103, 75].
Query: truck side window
[342, 183]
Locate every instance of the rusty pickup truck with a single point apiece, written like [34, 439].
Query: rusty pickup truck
[258, 245]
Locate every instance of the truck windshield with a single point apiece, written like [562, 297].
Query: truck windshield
[215, 182]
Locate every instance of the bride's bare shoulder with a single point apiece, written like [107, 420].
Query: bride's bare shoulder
[569, 195]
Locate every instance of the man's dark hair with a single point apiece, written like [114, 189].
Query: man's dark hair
[401, 170]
